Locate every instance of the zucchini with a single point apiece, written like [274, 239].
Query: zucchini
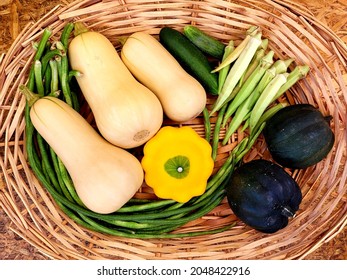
[190, 57]
[204, 42]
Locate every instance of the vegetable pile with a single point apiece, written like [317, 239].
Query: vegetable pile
[92, 173]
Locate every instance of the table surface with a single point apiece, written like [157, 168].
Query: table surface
[14, 15]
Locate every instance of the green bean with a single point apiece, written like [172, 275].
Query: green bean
[46, 161]
[68, 28]
[38, 78]
[220, 172]
[206, 208]
[58, 60]
[47, 80]
[250, 143]
[75, 217]
[269, 113]
[74, 101]
[49, 56]
[64, 79]
[106, 230]
[207, 124]
[56, 168]
[54, 75]
[68, 183]
[148, 206]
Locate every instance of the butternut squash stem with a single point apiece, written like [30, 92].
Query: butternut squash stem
[79, 28]
[29, 95]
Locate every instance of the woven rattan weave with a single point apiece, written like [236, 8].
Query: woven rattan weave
[292, 32]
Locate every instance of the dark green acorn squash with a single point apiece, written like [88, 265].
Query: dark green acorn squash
[263, 195]
[298, 136]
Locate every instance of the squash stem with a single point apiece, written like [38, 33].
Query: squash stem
[328, 118]
[80, 28]
[287, 212]
[29, 95]
[122, 39]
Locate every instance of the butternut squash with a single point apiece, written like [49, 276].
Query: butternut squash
[105, 176]
[127, 113]
[182, 96]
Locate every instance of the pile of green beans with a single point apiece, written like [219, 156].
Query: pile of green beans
[51, 75]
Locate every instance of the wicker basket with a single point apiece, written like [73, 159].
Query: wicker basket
[292, 31]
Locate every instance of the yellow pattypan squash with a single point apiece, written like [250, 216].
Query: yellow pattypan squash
[177, 163]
